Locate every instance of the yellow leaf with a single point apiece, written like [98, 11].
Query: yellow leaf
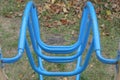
[65, 78]
[65, 10]
[47, 6]
[18, 6]
[108, 12]
[95, 1]
[53, 1]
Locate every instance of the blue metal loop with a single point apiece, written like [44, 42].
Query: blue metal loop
[88, 24]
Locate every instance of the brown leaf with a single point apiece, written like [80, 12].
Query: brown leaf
[20, 1]
[8, 16]
[47, 24]
[64, 21]
[98, 10]
[47, 17]
[39, 8]
[55, 8]
[56, 23]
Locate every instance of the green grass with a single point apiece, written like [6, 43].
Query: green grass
[95, 71]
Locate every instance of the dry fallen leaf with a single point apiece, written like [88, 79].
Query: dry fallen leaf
[47, 25]
[73, 32]
[65, 78]
[64, 21]
[65, 10]
[47, 6]
[39, 9]
[106, 34]
[53, 1]
[108, 12]
[79, 15]
[91, 65]
[55, 8]
[102, 26]
[20, 1]
[56, 23]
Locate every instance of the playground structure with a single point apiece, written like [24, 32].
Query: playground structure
[89, 26]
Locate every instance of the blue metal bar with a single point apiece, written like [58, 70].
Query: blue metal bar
[48, 48]
[25, 18]
[77, 66]
[40, 65]
[13, 59]
[30, 22]
[94, 25]
[71, 73]
[21, 37]
[38, 50]
[57, 59]
[105, 60]
[1, 64]
[79, 60]
[97, 37]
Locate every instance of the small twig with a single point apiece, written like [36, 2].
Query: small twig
[3, 75]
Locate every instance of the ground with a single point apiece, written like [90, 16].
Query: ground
[59, 31]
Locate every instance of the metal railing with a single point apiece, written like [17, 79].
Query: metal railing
[88, 24]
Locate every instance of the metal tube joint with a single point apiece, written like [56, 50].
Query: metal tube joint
[1, 63]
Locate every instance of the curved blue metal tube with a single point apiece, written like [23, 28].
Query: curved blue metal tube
[13, 59]
[38, 51]
[48, 48]
[54, 58]
[97, 36]
[53, 49]
[75, 72]
[22, 37]
[105, 60]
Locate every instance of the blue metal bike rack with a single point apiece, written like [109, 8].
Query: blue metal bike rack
[88, 24]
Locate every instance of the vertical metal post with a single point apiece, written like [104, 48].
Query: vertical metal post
[117, 75]
[1, 64]
[77, 66]
[41, 67]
